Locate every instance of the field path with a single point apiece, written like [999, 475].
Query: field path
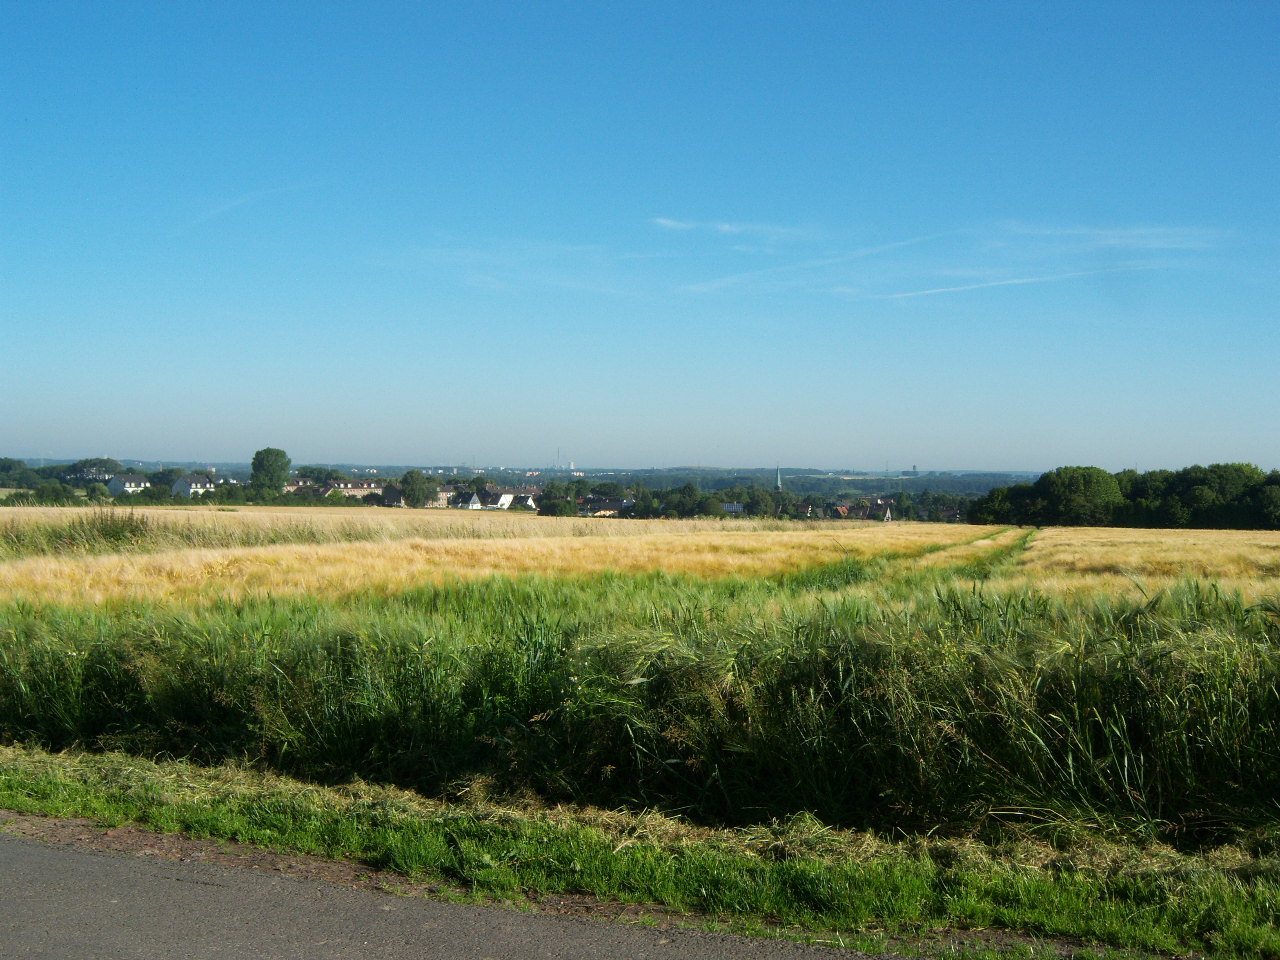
[70, 903]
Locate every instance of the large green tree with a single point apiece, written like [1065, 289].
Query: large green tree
[554, 490]
[15, 473]
[1268, 506]
[270, 471]
[418, 488]
[558, 508]
[1079, 496]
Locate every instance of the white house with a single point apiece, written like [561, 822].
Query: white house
[123, 483]
[192, 485]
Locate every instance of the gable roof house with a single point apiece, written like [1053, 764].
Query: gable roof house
[875, 509]
[504, 498]
[123, 483]
[469, 501]
[192, 485]
[352, 488]
[869, 508]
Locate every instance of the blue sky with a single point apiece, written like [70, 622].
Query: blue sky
[849, 235]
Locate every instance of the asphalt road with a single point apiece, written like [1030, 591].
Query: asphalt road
[66, 903]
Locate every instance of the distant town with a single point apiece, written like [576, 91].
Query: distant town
[561, 489]
[1220, 495]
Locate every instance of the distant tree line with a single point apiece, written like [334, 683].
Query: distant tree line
[59, 483]
[688, 500]
[1220, 496]
[804, 481]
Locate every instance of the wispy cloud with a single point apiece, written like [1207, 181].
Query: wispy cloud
[968, 258]
[1003, 283]
[727, 228]
[818, 263]
[245, 199]
[954, 261]
[668, 224]
[1016, 253]
[1126, 238]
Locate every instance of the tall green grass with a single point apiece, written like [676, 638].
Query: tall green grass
[732, 701]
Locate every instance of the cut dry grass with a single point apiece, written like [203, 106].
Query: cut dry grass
[924, 896]
[181, 783]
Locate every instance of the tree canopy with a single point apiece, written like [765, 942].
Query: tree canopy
[418, 488]
[1221, 495]
[270, 471]
[1078, 496]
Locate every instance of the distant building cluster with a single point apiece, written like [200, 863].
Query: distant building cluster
[462, 496]
[446, 488]
[492, 497]
[190, 485]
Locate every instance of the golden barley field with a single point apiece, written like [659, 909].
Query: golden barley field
[1081, 560]
[198, 554]
[396, 550]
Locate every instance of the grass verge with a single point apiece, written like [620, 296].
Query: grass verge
[794, 877]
